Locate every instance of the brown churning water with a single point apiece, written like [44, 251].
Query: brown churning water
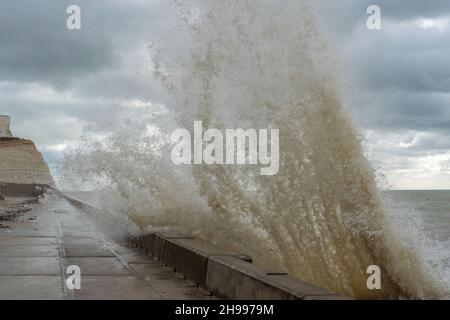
[258, 64]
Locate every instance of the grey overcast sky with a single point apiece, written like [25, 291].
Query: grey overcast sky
[52, 80]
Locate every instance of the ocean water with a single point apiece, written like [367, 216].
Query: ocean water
[263, 64]
[431, 206]
[421, 220]
[423, 216]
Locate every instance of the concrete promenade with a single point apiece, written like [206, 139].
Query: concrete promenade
[38, 244]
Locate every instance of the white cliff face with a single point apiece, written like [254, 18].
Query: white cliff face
[22, 163]
[5, 131]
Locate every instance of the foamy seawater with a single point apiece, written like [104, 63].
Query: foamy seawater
[432, 206]
[421, 222]
[321, 218]
[424, 215]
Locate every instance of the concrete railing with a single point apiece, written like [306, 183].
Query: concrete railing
[225, 274]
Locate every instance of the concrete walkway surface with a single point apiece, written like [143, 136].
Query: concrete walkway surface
[38, 245]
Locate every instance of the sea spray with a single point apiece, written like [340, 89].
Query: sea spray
[238, 147]
[256, 64]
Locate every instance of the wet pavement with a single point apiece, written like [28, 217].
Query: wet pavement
[38, 246]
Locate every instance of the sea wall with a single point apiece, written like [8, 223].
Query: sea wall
[225, 274]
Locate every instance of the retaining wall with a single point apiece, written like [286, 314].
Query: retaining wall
[226, 274]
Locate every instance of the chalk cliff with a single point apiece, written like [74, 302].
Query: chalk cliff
[20, 162]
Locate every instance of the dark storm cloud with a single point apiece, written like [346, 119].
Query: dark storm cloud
[411, 9]
[35, 44]
[395, 109]
[123, 84]
[344, 15]
[44, 115]
[398, 83]
[393, 58]
[398, 76]
[54, 80]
